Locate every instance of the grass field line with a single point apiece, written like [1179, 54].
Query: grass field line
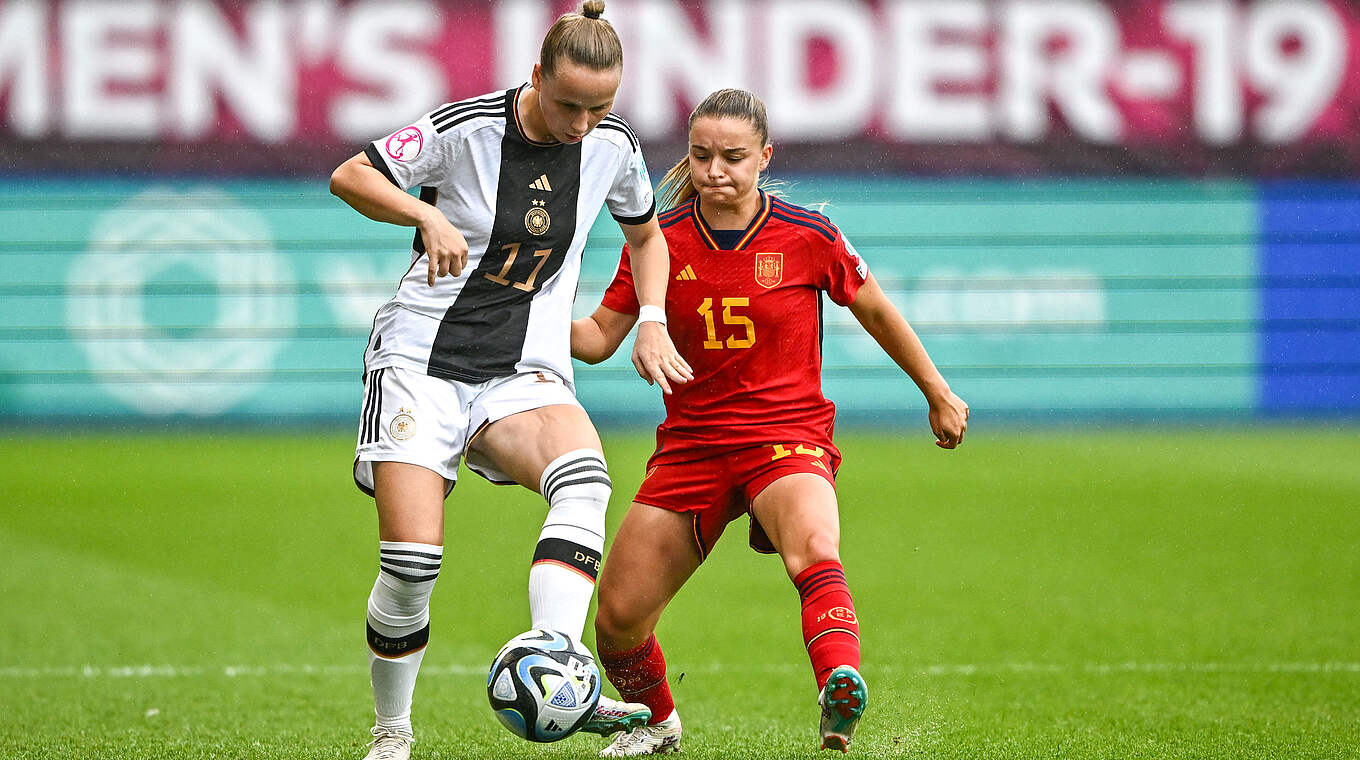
[99, 672]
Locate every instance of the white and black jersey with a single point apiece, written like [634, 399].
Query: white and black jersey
[525, 208]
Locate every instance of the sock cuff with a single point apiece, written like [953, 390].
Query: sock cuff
[410, 562]
[435, 550]
[626, 658]
[577, 467]
[819, 578]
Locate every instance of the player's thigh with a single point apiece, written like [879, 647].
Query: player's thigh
[410, 501]
[522, 445]
[652, 556]
[799, 514]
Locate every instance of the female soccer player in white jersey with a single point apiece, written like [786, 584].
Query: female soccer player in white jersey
[471, 357]
[752, 433]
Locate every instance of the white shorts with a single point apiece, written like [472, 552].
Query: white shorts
[411, 417]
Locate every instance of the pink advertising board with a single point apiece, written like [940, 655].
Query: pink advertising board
[1161, 87]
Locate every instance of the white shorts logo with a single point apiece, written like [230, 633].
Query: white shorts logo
[405, 144]
[403, 426]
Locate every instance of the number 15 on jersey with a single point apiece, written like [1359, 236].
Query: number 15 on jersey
[730, 318]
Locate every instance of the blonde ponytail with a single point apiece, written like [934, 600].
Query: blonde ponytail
[676, 187]
[583, 38]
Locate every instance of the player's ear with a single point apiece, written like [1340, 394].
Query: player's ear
[536, 78]
[765, 155]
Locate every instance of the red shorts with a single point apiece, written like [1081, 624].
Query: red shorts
[720, 487]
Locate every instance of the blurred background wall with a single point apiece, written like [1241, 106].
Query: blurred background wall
[1145, 209]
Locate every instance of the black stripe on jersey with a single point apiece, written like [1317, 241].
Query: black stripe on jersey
[821, 328]
[801, 222]
[805, 218]
[469, 116]
[812, 218]
[613, 118]
[376, 158]
[481, 336]
[431, 196]
[639, 219]
[674, 215]
[494, 99]
[620, 126]
[392, 648]
[802, 211]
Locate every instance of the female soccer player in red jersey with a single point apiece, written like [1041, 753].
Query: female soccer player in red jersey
[752, 431]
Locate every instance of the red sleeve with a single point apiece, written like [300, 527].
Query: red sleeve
[621, 296]
[844, 272]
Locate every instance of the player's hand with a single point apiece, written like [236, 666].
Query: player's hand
[655, 357]
[445, 248]
[948, 420]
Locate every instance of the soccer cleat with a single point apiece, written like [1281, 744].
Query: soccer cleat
[612, 716]
[389, 744]
[843, 700]
[660, 739]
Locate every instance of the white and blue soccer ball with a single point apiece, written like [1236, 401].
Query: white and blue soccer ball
[543, 685]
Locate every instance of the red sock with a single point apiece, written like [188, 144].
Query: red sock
[830, 628]
[640, 676]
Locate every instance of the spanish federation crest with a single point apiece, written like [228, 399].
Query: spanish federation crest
[769, 269]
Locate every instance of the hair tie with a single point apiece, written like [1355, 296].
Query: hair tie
[590, 13]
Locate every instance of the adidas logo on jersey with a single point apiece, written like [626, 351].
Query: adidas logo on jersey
[687, 274]
[541, 184]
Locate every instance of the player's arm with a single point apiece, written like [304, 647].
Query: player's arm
[654, 355]
[360, 184]
[881, 319]
[596, 337]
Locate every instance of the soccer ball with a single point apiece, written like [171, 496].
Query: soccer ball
[543, 685]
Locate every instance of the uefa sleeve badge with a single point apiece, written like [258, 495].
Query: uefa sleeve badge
[405, 144]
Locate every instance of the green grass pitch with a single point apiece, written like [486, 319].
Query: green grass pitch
[1059, 594]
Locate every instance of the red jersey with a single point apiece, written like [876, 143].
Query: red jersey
[749, 321]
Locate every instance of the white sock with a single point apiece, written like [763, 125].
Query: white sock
[399, 627]
[567, 558]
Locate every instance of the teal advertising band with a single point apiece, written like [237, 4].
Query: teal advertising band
[251, 300]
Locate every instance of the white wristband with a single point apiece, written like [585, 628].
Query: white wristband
[649, 313]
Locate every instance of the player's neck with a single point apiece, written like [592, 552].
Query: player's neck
[737, 216]
[531, 117]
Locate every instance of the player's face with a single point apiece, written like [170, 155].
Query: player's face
[726, 158]
[574, 98]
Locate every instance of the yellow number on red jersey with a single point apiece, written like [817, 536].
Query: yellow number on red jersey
[728, 318]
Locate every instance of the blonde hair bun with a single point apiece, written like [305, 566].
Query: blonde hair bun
[592, 8]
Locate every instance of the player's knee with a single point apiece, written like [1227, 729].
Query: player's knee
[616, 621]
[817, 546]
